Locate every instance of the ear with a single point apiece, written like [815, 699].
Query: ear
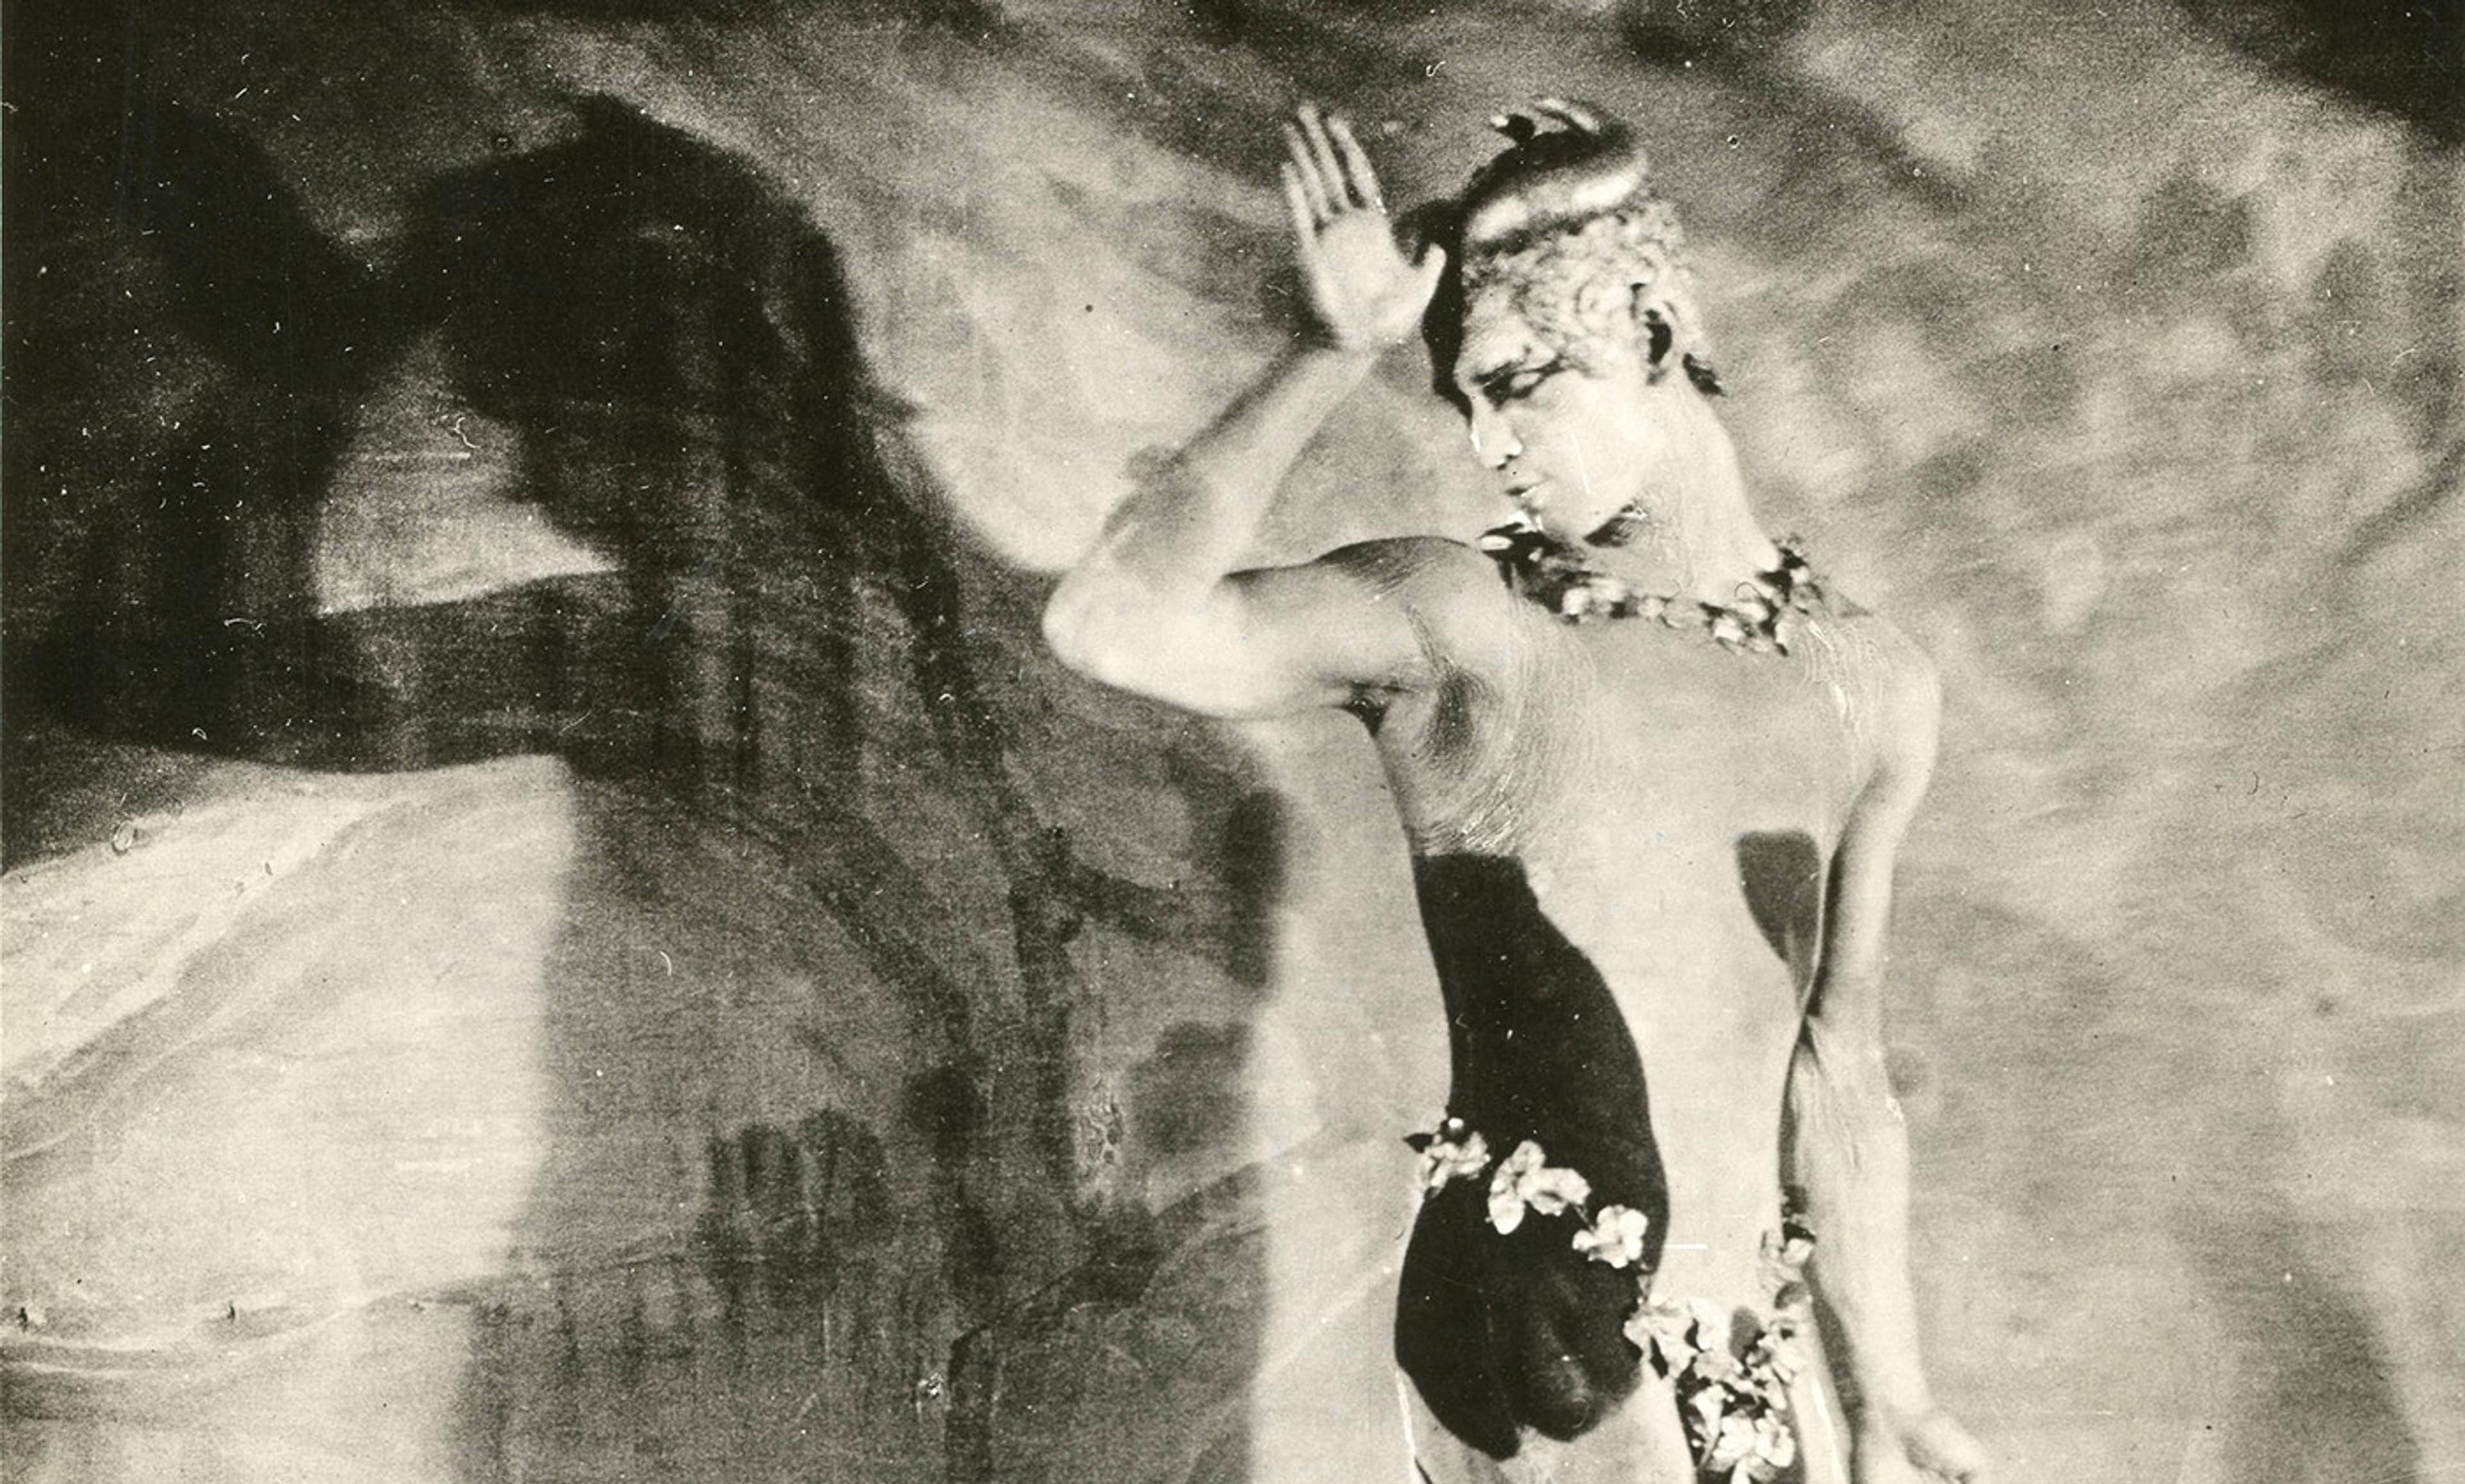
[1661, 323]
[1658, 335]
[1665, 323]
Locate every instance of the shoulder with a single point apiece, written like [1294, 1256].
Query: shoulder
[1424, 567]
[1462, 613]
[1444, 582]
[1907, 685]
[1893, 689]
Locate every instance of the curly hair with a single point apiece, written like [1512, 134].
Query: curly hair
[1564, 231]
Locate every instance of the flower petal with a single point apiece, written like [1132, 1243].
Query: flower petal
[1665, 1331]
[1506, 1188]
[1614, 1237]
[1506, 1210]
[1775, 1446]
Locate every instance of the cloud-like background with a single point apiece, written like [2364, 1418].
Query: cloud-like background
[559, 923]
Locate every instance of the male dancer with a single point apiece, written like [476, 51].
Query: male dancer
[1654, 779]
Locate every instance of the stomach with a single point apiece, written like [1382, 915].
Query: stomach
[1651, 1059]
[1504, 1332]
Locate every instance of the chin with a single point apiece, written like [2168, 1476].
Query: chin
[1574, 525]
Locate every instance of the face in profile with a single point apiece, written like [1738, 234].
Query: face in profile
[1573, 441]
[1573, 320]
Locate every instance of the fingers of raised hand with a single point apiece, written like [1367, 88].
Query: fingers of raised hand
[1357, 173]
[1575, 116]
[1301, 172]
[1323, 151]
[1308, 213]
[1333, 171]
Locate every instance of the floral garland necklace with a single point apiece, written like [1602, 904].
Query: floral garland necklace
[1732, 1387]
[1555, 575]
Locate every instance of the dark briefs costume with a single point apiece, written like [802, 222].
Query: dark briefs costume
[1502, 1332]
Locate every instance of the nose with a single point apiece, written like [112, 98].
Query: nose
[1492, 437]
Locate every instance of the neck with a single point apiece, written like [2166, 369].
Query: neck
[1697, 537]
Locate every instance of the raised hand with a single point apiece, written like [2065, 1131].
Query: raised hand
[1366, 293]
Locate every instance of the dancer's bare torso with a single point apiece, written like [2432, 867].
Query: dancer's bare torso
[1621, 838]
[1672, 807]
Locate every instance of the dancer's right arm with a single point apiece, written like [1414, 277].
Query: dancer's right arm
[1155, 607]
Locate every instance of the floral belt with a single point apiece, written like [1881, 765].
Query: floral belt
[1732, 1387]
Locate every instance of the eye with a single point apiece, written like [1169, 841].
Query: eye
[1509, 382]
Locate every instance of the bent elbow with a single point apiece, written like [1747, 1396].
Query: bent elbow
[1091, 632]
[1067, 630]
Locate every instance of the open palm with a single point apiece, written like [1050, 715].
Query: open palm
[1366, 293]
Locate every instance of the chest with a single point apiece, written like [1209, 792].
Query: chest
[1605, 734]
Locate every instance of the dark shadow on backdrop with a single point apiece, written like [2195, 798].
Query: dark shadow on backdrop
[187, 620]
[2404, 57]
[2325, 1409]
[671, 341]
